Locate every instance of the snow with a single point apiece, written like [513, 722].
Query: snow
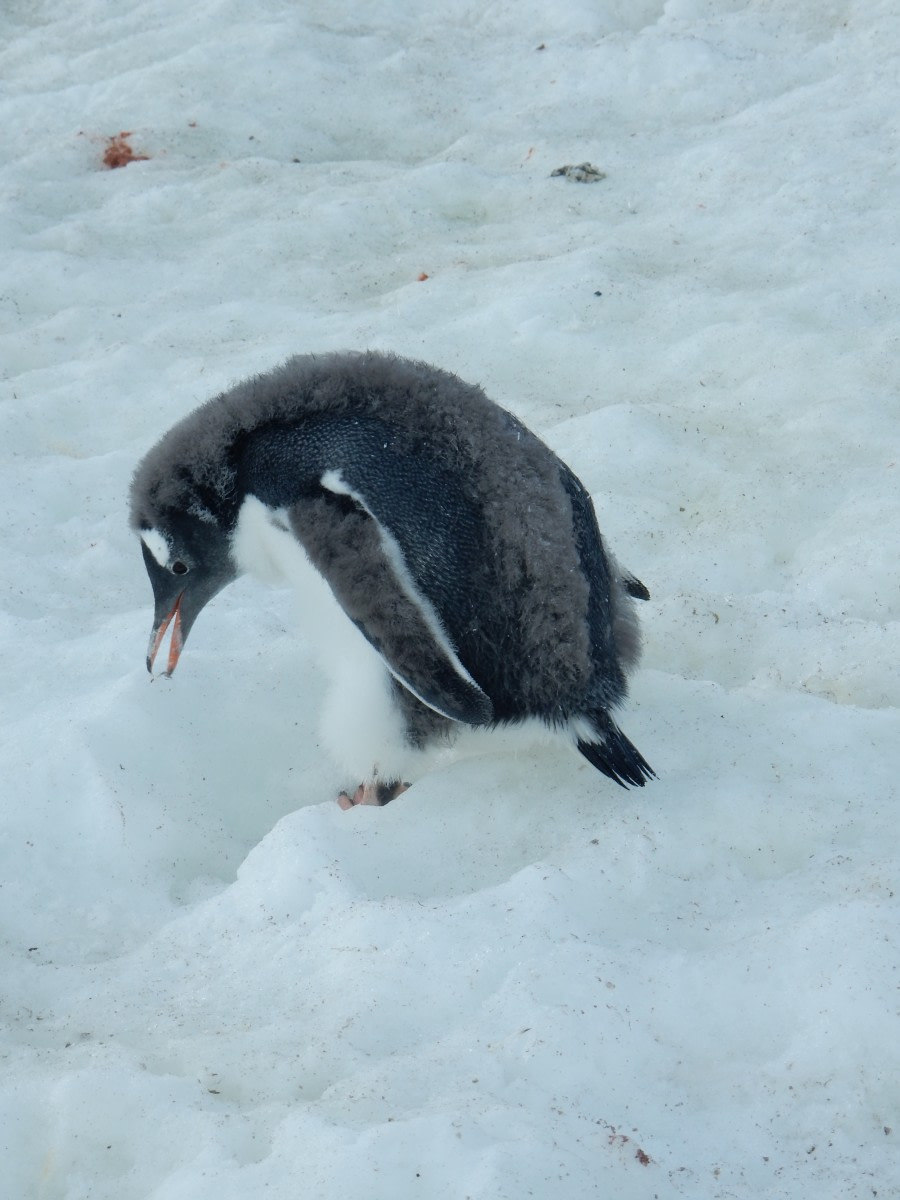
[516, 980]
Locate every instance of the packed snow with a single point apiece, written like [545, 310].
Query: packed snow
[517, 980]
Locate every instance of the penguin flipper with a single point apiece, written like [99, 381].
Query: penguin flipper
[364, 566]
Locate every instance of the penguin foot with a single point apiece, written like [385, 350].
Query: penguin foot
[372, 792]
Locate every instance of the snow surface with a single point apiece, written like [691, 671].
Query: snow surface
[517, 980]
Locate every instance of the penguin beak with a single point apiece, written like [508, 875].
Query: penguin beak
[159, 632]
[179, 599]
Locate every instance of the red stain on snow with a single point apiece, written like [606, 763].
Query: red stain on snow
[119, 153]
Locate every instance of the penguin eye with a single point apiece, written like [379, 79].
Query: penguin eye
[179, 568]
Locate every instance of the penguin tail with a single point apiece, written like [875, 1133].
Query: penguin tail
[634, 587]
[610, 751]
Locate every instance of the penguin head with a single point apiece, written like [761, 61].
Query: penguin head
[188, 561]
[183, 508]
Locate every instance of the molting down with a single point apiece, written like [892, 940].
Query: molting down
[449, 564]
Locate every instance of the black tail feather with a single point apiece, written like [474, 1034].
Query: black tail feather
[616, 757]
[635, 588]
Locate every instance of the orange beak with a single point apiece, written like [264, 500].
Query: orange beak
[175, 645]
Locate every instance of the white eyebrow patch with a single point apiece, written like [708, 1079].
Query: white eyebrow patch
[157, 545]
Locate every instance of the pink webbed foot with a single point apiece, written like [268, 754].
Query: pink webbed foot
[372, 792]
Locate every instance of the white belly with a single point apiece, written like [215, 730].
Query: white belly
[360, 725]
[361, 728]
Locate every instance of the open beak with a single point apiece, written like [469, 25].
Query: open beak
[175, 645]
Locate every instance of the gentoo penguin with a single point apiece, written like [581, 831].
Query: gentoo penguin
[449, 564]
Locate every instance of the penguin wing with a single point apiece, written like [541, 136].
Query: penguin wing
[360, 541]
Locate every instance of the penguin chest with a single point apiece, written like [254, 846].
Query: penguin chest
[361, 725]
[264, 546]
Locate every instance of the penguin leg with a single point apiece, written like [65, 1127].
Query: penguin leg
[373, 792]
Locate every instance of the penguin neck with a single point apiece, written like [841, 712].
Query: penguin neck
[258, 540]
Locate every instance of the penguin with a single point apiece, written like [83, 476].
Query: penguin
[448, 564]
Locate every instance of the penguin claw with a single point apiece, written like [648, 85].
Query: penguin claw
[372, 792]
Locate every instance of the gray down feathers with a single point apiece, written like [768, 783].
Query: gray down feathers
[574, 636]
